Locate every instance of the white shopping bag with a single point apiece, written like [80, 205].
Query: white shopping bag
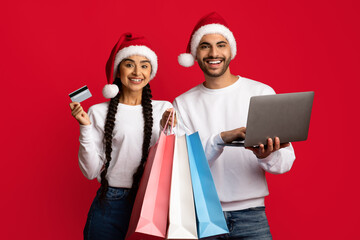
[182, 216]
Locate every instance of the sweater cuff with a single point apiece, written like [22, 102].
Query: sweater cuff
[85, 132]
[271, 159]
[218, 140]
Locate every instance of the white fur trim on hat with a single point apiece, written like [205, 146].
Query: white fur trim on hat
[110, 90]
[186, 60]
[211, 29]
[136, 50]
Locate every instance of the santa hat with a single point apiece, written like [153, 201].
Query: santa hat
[209, 24]
[129, 44]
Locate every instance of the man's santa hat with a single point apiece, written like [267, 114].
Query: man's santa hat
[128, 45]
[209, 24]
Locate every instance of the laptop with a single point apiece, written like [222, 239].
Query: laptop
[286, 116]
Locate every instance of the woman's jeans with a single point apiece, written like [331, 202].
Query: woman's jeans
[109, 220]
[247, 224]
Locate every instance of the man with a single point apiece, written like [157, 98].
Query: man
[218, 109]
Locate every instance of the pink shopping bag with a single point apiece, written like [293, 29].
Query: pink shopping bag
[150, 212]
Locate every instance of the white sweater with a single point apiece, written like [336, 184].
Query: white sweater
[127, 142]
[238, 174]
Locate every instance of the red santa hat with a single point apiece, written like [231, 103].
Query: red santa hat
[209, 24]
[129, 44]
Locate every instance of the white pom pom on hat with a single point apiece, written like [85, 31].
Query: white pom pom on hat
[128, 44]
[211, 23]
[110, 90]
[186, 59]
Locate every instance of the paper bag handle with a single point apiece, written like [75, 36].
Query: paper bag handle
[167, 122]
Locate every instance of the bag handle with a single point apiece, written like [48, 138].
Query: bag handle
[172, 113]
[180, 123]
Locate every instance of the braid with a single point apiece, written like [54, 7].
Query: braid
[148, 124]
[109, 127]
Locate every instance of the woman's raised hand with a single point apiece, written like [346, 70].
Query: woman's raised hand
[79, 114]
[165, 116]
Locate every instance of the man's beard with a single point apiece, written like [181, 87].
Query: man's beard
[206, 71]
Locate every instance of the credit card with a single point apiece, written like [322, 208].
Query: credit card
[80, 95]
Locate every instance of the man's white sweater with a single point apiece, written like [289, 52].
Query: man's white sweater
[238, 174]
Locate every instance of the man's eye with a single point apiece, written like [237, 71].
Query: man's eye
[221, 45]
[144, 66]
[204, 46]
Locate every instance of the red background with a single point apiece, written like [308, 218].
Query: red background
[50, 48]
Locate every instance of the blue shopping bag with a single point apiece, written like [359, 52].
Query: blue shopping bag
[209, 214]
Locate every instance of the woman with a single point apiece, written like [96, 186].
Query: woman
[115, 136]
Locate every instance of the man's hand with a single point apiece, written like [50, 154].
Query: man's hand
[79, 114]
[165, 116]
[237, 134]
[262, 152]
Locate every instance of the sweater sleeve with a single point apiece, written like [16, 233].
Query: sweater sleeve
[278, 162]
[212, 148]
[91, 154]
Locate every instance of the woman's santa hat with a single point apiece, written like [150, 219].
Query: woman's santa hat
[128, 45]
[209, 24]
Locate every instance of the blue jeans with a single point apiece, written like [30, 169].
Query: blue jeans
[247, 224]
[111, 219]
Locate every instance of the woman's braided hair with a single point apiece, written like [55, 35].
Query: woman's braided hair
[109, 127]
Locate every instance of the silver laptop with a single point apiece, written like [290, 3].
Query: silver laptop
[286, 116]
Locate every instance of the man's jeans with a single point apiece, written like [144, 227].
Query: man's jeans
[247, 224]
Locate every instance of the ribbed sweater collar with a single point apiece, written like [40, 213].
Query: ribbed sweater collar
[220, 90]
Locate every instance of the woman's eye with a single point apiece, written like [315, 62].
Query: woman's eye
[128, 65]
[144, 66]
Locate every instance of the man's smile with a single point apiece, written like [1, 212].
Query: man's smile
[213, 62]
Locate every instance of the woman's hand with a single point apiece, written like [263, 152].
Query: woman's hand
[165, 116]
[79, 114]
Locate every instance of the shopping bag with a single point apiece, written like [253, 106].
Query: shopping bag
[209, 214]
[151, 207]
[182, 219]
